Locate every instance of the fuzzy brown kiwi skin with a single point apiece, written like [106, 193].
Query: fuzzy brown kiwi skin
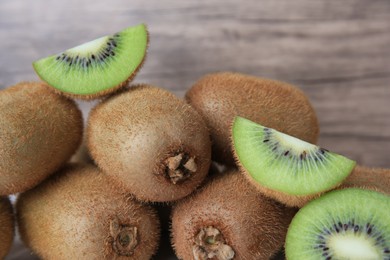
[219, 97]
[130, 137]
[40, 131]
[110, 91]
[7, 229]
[79, 214]
[377, 179]
[253, 226]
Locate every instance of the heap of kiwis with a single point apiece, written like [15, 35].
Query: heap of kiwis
[143, 145]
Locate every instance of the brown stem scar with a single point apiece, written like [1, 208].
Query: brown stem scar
[174, 162]
[190, 165]
[123, 238]
[179, 167]
[210, 244]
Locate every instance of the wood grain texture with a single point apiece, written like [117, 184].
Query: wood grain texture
[338, 52]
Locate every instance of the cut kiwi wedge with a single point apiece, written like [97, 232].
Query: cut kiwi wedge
[342, 224]
[96, 68]
[284, 163]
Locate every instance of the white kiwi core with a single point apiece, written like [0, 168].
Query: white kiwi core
[350, 246]
[90, 47]
[293, 144]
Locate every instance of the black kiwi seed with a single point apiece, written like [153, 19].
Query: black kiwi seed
[356, 229]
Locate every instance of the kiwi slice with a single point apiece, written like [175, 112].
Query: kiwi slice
[6, 226]
[96, 68]
[229, 219]
[79, 214]
[150, 142]
[284, 163]
[39, 131]
[219, 97]
[343, 224]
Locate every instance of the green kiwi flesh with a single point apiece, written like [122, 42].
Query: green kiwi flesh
[343, 224]
[219, 97]
[228, 219]
[6, 226]
[150, 142]
[40, 131]
[98, 67]
[79, 214]
[284, 163]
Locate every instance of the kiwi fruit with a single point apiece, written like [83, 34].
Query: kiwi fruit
[39, 132]
[79, 214]
[219, 97]
[294, 169]
[377, 179]
[343, 224]
[6, 226]
[150, 142]
[98, 67]
[228, 219]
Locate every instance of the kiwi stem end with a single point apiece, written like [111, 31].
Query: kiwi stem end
[179, 167]
[123, 237]
[209, 244]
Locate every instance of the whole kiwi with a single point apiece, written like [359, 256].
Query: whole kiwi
[150, 142]
[79, 214]
[39, 130]
[6, 226]
[219, 97]
[228, 219]
[377, 179]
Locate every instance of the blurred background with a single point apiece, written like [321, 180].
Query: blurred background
[337, 52]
